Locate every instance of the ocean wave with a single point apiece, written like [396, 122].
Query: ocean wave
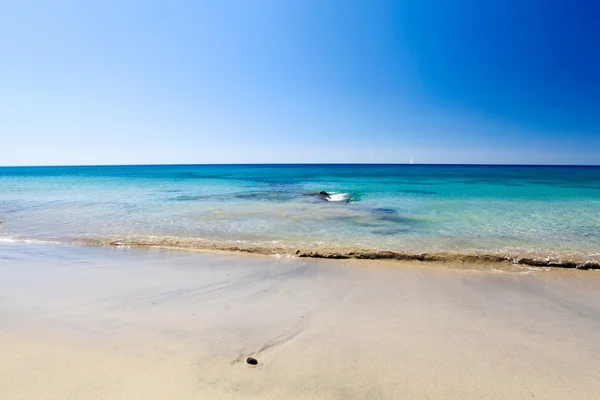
[332, 196]
[338, 197]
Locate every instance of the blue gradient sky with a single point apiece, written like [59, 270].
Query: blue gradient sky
[460, 81]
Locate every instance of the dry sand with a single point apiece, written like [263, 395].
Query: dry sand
[94, 323]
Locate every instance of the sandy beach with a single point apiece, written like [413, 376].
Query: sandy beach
[80, 322]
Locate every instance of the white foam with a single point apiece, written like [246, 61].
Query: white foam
[338, 197]
[24, 240]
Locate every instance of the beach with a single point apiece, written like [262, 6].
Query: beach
[101, 323]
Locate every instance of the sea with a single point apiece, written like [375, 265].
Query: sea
[538, 215]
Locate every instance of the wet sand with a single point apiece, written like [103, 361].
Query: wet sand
[98, 323]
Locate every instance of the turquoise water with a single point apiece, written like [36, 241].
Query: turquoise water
[550, 212]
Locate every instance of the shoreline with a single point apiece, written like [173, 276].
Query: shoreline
[470, 257]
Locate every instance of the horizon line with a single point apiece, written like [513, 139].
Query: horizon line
[299, 164]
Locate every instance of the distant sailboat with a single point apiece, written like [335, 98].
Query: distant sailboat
[411, 160]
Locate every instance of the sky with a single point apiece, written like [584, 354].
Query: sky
[151, 82]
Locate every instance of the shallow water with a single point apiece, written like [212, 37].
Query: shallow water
[550, 212]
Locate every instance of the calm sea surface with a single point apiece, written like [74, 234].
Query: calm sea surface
[551, 212]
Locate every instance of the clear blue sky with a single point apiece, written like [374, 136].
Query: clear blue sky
[464, 81]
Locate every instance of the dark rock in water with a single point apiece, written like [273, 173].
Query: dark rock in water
[251, 361]
[396, 219]
[322, 194]
[384, 211]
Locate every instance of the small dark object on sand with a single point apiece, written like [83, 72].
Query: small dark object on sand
[251, 361]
